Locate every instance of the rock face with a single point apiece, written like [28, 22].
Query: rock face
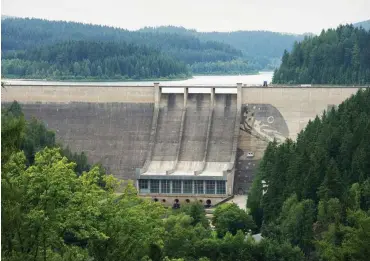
[193, 132]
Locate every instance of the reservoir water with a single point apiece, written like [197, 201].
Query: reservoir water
[256, 79]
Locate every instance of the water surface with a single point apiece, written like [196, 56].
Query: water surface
[256, 79]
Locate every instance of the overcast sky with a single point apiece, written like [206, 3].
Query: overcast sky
[294, 16]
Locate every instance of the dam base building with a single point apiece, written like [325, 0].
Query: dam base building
[193, 145]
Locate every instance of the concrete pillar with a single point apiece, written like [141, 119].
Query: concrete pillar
[204, 187]
[215, 186]
[182, 187]
[186, 91]
[157, 94]
[212, 96]
[160, 186]
[239, 95]
[192, 184]
[170, 186]
[149, 185]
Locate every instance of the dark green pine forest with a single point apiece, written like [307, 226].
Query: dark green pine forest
[318, 188]
[203, 53]
[336, 56]
[129, 54]
[363, 24]
[262, 49]
[92, 60]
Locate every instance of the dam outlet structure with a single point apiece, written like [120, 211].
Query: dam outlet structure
[193, 145]
[177, 143]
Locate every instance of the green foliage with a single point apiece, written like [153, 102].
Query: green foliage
[274, 250]
[38, 213]
[33, 136]
[132, 225]
[80, 159]
[51, 212]
[37, 137]
[220, 67]
[296, 221]
[12, 130]
[95, 60]
[262, 49]
[346, 242]
[166, 52]
[363, 24]
[318, 187]
[182, 235]
[196, 211]
[230, 218]
[336, 56]
[254, 201]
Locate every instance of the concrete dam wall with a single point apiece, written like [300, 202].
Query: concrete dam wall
[194, 133]
[207, 136]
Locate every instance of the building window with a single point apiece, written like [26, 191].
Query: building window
[176, 186]
[210, 186]
[221, 187]
[188, 187]
[198, 187]
[165, 186]
[143, 186]
[154, 186]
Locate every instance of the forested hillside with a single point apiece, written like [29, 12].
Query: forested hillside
[26, 34]
[262, 49]
[317, 193]
[363, 24]
[336, 56]
[91, 60]
[55, 209]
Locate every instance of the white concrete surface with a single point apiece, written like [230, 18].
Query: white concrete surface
[240, 200]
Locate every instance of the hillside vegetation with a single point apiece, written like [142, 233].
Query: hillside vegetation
[316, 205]
[54, 209]
[92, 60]
[336, 56]
[363, 24]
[240, 52]
[27, 34]
[318, 188]
[262, 49]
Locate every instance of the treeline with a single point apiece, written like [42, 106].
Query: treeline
[91, 60]
[315, 193]
[32, 136]
[26, 34]
[363, 24]
[336, 56]
[52, 212]
[219, 68]
[262, 49]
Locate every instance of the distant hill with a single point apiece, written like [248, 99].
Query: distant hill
[91, 60]
[336, 56]
[262, 49]
[215, 52]
[25, 34]
[6, 17]
[363, 24]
